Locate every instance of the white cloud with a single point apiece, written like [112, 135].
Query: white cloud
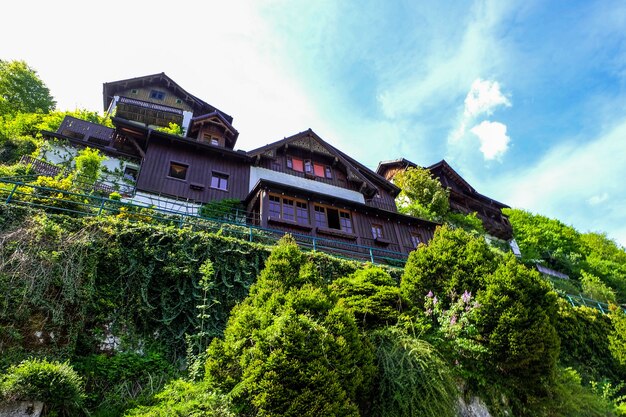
[494, 141]
[484, 96]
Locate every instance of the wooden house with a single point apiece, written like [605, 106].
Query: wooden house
[300, 184]
[463, 197]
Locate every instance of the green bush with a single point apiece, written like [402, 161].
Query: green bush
[55, 384]
[594, 288]
[617, 338]
[116, 382]
[517, 321]
[188, 399]
[584, 332]
[569, 398]
[290, 348]
[372, 295]
[412, 379]
[453, 261]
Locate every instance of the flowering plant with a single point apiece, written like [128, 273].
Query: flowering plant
[454, 325]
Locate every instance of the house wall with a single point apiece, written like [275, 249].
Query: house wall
[397, 231]
[154, 175]
[144, 94]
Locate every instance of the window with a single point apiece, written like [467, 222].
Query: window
[377, 231]
[295, 164]
[215, 142]
[178, 170]
[130, 173]
[415, 240]
[331, 218]
[346, 221]
[219, 181]
[328, 173]
[308, 166]
[288, 209]
[274, 209]
[320, 217]
[179, 101]
[302, 212]
[157, 95]
[134, 91]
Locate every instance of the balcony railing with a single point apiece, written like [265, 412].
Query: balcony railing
[151, 106]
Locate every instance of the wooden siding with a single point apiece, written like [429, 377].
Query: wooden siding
[169, 100]
[397, 231]
[279, 164]
[153, 176]
[384, 200]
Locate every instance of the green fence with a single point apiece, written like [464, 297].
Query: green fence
[236, 224]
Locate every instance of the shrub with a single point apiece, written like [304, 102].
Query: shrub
[412, 379]
[454, 261]
[114, 383]
[617, 338]
[182, 398]
[371, 294]
[55, 384]
[516, 320]
[594, 288]
[290, 348]
[583, 332]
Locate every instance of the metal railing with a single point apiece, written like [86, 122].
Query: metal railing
[234, 224]
[580, 301]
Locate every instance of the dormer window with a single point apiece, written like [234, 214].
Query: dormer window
[157, 95]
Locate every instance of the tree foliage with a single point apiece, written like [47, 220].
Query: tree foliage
[89, 164]
[515, 318]
[422, 195]
[22, 91]
[290, 348]
[542, 238]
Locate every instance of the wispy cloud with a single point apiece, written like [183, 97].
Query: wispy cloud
[579, 184]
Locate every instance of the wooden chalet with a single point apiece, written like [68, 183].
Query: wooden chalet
[303, 184]
[463, 197]
[300, 184]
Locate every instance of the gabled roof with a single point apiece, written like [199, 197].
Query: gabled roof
[109, 89]
[449, 172]
[356, 171]
[400, 162]
[445, 170]
[222, 119]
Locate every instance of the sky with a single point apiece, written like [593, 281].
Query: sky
[525, 99]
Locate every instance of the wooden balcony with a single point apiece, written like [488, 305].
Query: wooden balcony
[151, 106]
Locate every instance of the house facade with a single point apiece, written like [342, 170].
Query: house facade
[464, 198]
[300, 184]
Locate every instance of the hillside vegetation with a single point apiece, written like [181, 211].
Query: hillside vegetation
[122, 315]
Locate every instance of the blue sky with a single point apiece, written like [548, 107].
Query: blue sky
[527, 99]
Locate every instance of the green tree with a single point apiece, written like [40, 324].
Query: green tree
[291, 349]
[22, 91]
[89, 164]
[453, 261]
[422, 195]
[550, 240]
